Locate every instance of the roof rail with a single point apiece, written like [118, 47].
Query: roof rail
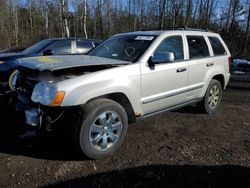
[177, 28]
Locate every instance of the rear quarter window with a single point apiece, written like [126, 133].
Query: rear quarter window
[217, 47]
[197, 47]
[83, 46]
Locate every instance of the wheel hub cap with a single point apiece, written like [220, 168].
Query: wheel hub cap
[214, 96]
[105, 130]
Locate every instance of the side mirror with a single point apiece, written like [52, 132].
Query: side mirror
[162, 57]
[47, 52]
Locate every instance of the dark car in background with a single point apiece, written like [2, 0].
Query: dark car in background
[240, 66]
[12, 50]
[47, 47]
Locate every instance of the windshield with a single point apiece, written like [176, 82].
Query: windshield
[123, 47]
[37, 47]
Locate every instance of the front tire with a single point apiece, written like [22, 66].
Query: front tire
[102, 128]
[212, 98]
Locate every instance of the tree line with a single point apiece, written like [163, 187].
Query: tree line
[24, 22]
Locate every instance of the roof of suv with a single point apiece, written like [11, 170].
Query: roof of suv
[159, 32]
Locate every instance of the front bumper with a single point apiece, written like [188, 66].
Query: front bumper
[37, 116]
[33, 117]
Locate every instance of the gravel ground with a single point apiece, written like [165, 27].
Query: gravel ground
[179, 149]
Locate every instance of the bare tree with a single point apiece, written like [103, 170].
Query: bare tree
[85, 19]
[229, 14]
[177, 7]
[247, 30]
[162, 7]
[235, 9]
[64, 9]
[15, 20]
[188, 13]
[99, 21]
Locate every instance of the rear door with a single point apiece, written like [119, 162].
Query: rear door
[199, 63]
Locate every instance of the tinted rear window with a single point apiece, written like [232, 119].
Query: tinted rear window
[83, 46]
[218, 48]
[197, 47]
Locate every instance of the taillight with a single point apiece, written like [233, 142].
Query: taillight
[229, 63]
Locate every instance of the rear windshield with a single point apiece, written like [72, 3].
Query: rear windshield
[218, 48]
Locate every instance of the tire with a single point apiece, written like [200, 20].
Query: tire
[12, 80]
[102, 128]
[212, 98]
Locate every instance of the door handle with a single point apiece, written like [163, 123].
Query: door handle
[181, 69]
[210, 64]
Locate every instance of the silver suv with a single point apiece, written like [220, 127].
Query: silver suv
[128, 77]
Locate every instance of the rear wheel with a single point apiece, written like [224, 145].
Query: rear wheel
[102, 128]
[212, 98]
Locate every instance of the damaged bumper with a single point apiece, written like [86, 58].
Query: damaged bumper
[33, 117]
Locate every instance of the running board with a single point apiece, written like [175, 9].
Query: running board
[172, 108]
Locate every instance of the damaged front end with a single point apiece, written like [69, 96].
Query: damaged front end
[35, 87]
[33, 110]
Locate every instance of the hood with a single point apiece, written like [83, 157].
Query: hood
[53, 63]
[12, 56]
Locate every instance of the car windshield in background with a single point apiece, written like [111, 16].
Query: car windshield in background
[123, 47]
[37, 47]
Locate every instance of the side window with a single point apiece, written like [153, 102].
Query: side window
[83, 46]
[197, 47]
[172, 44]
[61, 47]
[218, 48]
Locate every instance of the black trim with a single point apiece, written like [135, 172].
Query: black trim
[181, 70]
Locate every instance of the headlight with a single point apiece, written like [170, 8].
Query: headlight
[13, 79]
[47, 94]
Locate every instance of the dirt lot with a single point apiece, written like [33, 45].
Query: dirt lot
[178, 149]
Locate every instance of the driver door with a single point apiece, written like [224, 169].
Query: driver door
[164, 85]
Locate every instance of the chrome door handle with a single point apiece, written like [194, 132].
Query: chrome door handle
[181, 69]
[210, 64]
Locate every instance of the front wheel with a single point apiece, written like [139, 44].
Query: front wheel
[102, 128]
[212, 98]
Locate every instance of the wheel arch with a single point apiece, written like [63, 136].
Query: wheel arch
[221, 79]
[121, 99]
